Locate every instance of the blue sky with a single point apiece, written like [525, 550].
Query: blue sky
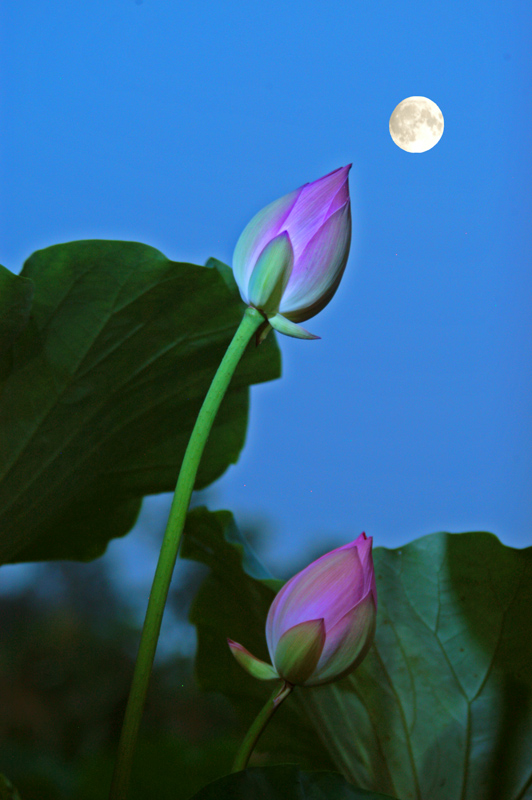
[173, 124]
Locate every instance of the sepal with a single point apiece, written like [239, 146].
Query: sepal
[271, 274]
[283, 325]
[299, 650]
[259, 669]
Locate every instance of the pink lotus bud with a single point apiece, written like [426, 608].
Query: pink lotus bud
[290, 258]
[322, 622]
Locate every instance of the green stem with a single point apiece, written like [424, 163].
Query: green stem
[251, 737]
[251, 321]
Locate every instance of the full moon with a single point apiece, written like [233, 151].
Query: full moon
[416, 124]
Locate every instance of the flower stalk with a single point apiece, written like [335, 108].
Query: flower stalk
[251, 321]
[256, 729]
[287, 264]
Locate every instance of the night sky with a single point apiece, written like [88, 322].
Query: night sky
[172, 124]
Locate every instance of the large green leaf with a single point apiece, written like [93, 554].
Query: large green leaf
[106, 382]
[16, 294]
[440, 709]
[284, 782]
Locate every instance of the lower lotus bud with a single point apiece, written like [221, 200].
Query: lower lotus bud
[322, 622]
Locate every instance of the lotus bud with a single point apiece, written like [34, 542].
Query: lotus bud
[322, 622]
[290, 258]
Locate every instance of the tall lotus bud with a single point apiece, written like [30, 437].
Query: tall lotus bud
[290, 258]
[322, 622]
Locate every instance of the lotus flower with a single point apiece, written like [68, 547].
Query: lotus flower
[322, 622]
[290, 258]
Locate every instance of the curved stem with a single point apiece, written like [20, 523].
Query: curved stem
[252, 736]
[251, 320]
